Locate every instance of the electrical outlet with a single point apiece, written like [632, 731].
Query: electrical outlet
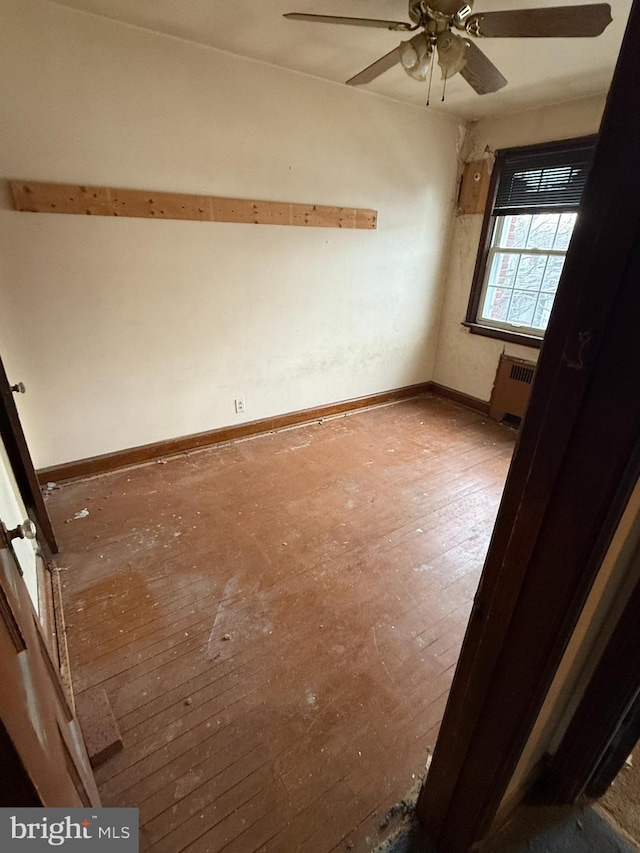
[239, 402]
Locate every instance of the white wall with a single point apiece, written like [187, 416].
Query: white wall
[464, 361]
[130, 331]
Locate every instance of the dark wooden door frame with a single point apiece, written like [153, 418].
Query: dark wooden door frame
[21, 464]
[623, 741]
[607, 720]
[571, 476]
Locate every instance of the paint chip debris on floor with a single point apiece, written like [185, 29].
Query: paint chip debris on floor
[281, 697]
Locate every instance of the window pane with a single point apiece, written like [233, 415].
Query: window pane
[530, 272]
[515, 230]
[552, 273]
[503, 270]
[565, 230]
[542, 232]
[496, 304]
[522, 307]
[522, 278]
[543, 311]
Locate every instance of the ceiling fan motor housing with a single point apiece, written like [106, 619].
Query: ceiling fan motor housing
[422, 10]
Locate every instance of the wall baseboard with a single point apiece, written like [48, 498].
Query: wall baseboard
[148, 452]
[459, 397]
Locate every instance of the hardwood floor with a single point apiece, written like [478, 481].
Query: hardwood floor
[276, 622]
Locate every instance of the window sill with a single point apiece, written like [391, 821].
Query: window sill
[504, 335]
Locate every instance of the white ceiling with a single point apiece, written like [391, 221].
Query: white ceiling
[539, 71]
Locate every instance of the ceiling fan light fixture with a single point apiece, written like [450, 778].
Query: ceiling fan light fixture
[415, 56]
[457, 54]
[452, 54]
[408, 55]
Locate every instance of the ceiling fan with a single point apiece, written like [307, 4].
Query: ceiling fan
[437, 20]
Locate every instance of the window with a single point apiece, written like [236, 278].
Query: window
[528, 225]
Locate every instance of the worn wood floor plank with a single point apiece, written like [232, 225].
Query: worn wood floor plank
[277, 621]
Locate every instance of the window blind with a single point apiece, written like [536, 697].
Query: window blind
[551, 179]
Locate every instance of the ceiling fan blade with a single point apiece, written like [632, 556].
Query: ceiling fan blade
[397, 26]
[480, 72]
[554, 22]
[376, 69]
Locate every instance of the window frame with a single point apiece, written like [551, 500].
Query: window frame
[484, 250]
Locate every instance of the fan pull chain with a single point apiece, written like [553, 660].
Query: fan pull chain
[433, 56]
[444, 87]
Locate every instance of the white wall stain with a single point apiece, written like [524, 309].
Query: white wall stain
[219, 627]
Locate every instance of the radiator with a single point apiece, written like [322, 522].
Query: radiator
[511, 388]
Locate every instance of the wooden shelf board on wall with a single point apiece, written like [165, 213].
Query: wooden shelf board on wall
[38, 197]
